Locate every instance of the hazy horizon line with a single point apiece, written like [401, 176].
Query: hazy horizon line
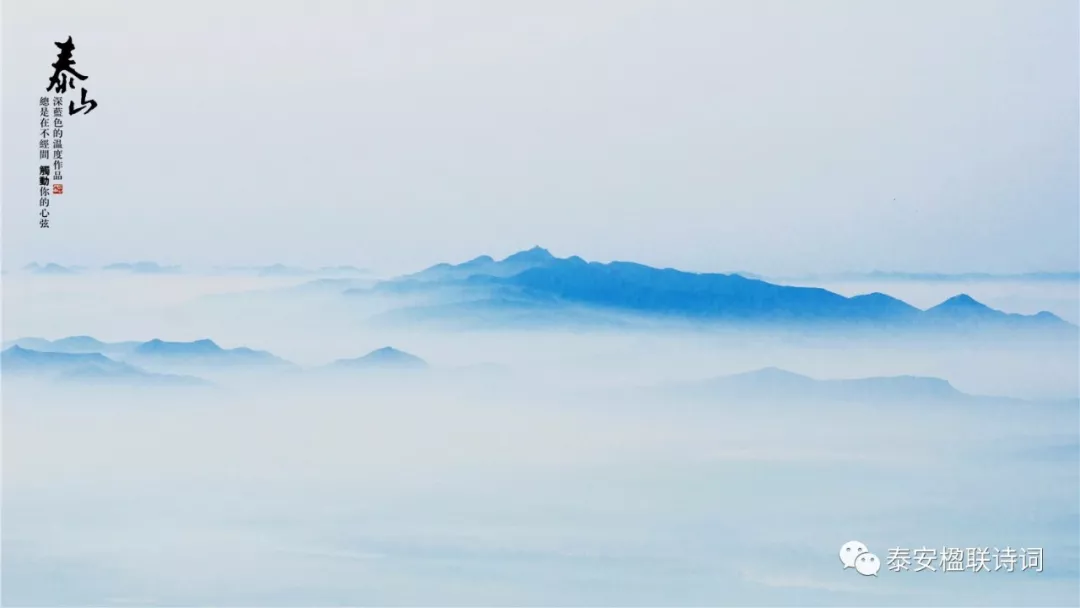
[1054, 274]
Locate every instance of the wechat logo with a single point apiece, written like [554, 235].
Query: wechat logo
[854, 554]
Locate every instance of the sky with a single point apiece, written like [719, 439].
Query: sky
[770, 137]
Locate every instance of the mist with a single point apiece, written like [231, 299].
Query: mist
[524, 467]
[352, 376]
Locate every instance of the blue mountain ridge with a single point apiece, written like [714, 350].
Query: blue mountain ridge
[20, 361]
[155, 351]
[51, 269]
[536, 276]
[74, 344]
[485, 265]
[386, 358]
[204, 352]
[76, 351]
[763, 384]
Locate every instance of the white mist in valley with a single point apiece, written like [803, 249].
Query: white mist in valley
[525, 467]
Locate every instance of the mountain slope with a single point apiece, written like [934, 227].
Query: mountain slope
[51, 269]
[156, 351]
[631, 288]
[485, 265]
[75, 344]
[204, 352]
[383, 358]
[964, 310]
[83, 367]
[19, 359]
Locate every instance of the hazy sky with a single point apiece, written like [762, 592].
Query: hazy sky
[764, 136]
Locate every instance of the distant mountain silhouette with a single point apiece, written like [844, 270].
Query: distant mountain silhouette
[962, 305]
[79, 344]
[964, 310]
[636, 287]
[486, 266]
[50, 268]
[143, 268]
[158, 352]
[386, 358]
[179, 349]
[74, 344]
[777, 384]
[535, 275]
[204, 352]
[83, 367]
[17, 359]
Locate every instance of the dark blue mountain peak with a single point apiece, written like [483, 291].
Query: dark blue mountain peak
[875, 296]
[536, 276]
[878, 303]
[962, 301]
